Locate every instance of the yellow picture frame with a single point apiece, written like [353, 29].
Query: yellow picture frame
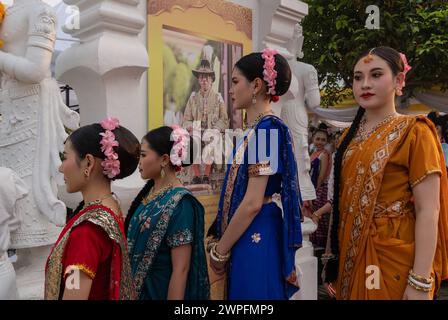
[230, 23]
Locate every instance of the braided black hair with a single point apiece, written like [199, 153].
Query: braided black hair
[134, 205]
[332, 266]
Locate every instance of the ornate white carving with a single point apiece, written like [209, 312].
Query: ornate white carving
[277, 20]
[32, 133]
[33, 118]
[303, 93]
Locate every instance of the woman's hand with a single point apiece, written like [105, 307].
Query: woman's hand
[217, 266]
[414, 294]
[315, 217]
[306, 209]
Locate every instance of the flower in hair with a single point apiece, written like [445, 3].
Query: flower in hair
[179, 150]
[407, 67]
[269, 72]
[110, 123]
[111, 165]
[111, 168]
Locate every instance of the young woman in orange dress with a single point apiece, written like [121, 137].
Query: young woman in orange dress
[389, 234]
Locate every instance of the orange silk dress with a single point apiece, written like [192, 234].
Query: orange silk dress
[377, 213]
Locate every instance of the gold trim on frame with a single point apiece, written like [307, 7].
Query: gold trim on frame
[230, 12]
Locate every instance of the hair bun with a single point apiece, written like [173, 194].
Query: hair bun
[283, 75]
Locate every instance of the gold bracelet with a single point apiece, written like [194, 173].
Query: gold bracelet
[415, 276]
[220, 256]
[213, 255]
[216, 254]
[210, 243]
[417, 287]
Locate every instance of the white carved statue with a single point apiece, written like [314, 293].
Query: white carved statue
[12, 189]
[304, 93]
[33, 122]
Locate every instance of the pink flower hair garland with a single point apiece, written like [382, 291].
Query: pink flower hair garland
[111, 165]
[407, 67]
[179, 150]
[269, 72]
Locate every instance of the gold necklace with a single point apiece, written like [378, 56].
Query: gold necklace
[258, 118]
[362, 132]
[98, 201]
[154, 194]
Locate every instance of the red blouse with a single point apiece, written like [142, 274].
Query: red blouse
[89, 249]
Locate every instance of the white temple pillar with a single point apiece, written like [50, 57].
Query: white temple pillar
[105, 69]
[306, 262]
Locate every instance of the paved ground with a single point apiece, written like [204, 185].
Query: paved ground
[443, 295]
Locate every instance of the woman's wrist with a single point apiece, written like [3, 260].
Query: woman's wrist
[217, 256]
[220, 251]
[420, 282]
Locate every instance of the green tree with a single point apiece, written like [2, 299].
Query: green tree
[169, 68]
[335, 35]
[181, 85]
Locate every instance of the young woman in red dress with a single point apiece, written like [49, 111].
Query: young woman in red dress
[90, 259]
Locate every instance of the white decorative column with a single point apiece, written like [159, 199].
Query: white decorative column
[106, 67]
[306, 262]
[276, 28]
[278, 18]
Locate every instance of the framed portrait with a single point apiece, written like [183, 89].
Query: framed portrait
[193, 46]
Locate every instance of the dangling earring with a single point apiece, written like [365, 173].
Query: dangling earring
[254, 99]
[162, 173]
[398, 91]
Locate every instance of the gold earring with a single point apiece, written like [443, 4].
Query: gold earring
[162, 173]
[254, 99]
[86, 173]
